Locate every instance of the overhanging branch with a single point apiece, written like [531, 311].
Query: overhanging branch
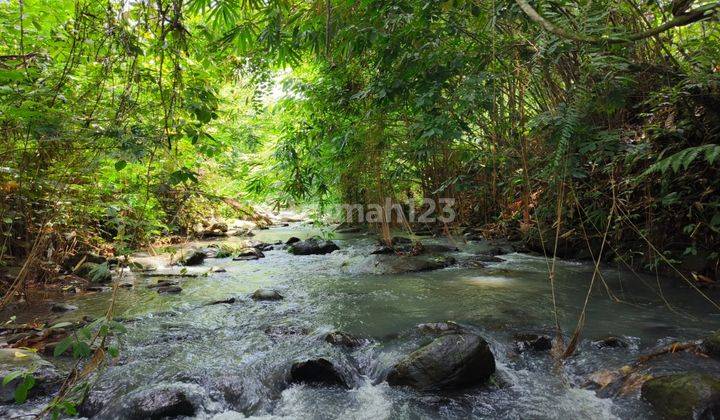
[691, 16]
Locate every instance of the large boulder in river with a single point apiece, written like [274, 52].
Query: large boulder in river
[313, 246]
[47, 379]
[317, 372]
[451, 361]
[684, 396]
[157, 402]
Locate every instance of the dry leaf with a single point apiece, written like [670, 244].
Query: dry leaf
[603, 378]
[633, 383]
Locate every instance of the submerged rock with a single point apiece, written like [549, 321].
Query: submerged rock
[278, 331]
[316, 372]
[487, 258]
[169, 289]
[163, 283]
[339, 338]
[313, 246]
[450, 361]
[439, 327]
[249, 254]
[396, 264]
[220, 302]
[610, 342]
[47, 378]
[536, 342]
[194, 258]
[63, 307]
[266, 294]
[684, 396]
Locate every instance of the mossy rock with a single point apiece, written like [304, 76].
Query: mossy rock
[683, 396]
[711, 345]
[451, 361]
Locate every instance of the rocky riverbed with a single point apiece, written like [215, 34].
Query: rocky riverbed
[345, 327]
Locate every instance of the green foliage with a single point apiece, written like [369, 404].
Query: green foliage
[137, 120]
[684, 159]
[26, 383]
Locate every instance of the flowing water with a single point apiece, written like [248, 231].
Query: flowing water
[235, 357]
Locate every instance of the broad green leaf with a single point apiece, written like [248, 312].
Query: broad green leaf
[120, 165]
[62, 346]
[10, 376]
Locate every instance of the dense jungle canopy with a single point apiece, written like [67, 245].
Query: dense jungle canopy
[583, 129]
[124, 120]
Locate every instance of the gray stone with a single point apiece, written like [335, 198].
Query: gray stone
[451, 361]
[313, 246]
[266, 294]
[47, 378]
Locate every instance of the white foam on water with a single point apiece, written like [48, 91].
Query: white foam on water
[543, 395]
[372, 402]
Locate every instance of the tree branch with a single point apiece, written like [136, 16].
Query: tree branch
[697, 14]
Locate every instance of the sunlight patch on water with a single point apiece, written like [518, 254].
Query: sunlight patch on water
[492, 281]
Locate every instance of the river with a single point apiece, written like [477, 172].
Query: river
[234, 357]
